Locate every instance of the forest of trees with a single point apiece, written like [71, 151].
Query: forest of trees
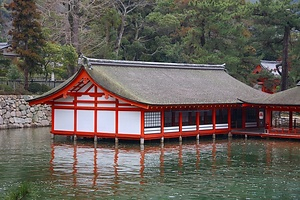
[239, 33]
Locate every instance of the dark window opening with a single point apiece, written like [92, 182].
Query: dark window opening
[171, 118]
[251, 115]
[205, 117]
[188, 118]
[222, 116]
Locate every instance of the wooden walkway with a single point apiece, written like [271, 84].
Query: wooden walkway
[272, 133]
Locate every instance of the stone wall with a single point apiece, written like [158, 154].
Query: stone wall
[15, 112]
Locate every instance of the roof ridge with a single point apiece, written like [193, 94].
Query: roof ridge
[126, 63]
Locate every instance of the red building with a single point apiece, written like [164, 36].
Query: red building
[148, 100]
[264, 82]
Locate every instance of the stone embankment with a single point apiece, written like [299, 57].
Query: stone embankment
[15, 112]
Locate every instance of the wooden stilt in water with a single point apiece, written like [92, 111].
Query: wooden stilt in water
[116, 141]
[229, 134]
[52, 136]
[142, 141]
[95, 139]
[162, 139]
[197, 137]
[214, 136]
[180, 139]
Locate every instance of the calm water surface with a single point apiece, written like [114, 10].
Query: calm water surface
[221, 169]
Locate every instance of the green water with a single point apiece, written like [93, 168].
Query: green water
[212, 169]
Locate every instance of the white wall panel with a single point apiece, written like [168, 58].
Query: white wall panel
[106, 121]
[64, 120]
[129, 122]
[86, 104]
[85, 120]
[111, 105]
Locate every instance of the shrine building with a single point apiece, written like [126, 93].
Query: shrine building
[149, 100]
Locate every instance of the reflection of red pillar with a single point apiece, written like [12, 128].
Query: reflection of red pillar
[197, 156]
[95, 167]
[269, 154]
[214, 155]
[142, 163]
[75, 165]
[180, 159]
[52, 158]
[161, 158]
[116, 165]
[229, 153]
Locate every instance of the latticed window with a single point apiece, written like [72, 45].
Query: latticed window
[152, 119]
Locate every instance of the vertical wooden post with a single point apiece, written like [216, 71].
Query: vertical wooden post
[214, 119]
[268, 119]
[244, 117]
[229, 119]
[291, 120]
[162, 123]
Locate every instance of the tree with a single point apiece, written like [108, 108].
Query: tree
[274, 22]
[27, 37]
[59, 59]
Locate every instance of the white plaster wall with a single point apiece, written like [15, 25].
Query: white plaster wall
[86, 104]
[129, 122]
[111, 105]
[63, 120]
[106, 121]
[85, 120]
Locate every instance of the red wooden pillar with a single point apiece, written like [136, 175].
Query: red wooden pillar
[95, 113]
[180, 123]
[142, 124]
[52, 118]
[214, 118]
[75, 115]
[291, 120]
[244, 117]
[162, 123]
[197, 120]
[229, 118]
[268, 119]
[117, 120]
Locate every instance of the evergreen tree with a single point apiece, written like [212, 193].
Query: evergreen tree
[27, 37]
[274, 21]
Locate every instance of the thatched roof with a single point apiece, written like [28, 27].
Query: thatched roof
[290, 97]
[166, 83]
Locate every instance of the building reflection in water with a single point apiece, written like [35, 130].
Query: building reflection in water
[109, 165]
